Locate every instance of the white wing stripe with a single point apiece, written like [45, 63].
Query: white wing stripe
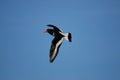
[55, 51]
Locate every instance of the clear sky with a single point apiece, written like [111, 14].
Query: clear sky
[94, 53]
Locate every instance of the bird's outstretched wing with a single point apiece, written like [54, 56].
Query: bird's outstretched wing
[55, 45]
[54, 27]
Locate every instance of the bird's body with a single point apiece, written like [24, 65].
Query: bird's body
[57, 41]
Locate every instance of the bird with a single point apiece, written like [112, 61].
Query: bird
[57, 40]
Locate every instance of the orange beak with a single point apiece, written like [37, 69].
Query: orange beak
[45, 31]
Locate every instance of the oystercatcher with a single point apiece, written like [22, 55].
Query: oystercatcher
[57, 41]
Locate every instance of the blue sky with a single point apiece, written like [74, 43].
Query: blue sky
[94, 53]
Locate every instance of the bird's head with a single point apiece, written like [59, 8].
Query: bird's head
[50, 31]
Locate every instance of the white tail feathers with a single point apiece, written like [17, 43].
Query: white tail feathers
[68, 37]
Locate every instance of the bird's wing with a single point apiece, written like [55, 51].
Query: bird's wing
[56, 43]
[54, 27]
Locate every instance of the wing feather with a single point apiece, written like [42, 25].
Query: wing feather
[54, 27]
[56, 43]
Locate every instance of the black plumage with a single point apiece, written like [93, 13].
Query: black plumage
[57, 41]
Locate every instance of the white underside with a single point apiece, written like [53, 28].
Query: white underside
[65, 35]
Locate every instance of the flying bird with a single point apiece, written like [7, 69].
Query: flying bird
[57, 41]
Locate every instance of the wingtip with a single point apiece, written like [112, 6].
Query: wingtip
[51, 61]
[50, 25]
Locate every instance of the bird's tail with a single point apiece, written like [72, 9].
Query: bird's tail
[68, 37]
